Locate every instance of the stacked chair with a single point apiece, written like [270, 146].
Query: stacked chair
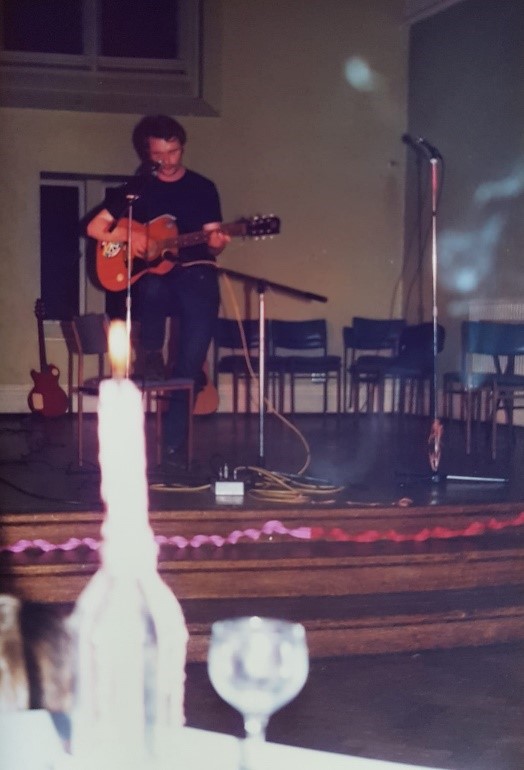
[487, 381]
[237, 338]
[299, 350]
[366, 342]
[410, 371]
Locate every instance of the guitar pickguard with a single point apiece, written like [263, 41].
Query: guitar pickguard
[111, 249]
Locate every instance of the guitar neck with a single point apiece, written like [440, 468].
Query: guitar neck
[201, 236]
[41, 345]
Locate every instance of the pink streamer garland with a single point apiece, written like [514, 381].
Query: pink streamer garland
[475, 529]
[275, 527]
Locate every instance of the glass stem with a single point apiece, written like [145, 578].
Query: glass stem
[255, 727]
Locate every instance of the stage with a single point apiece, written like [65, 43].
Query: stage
[371, 554]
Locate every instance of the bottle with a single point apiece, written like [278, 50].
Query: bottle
[14, 686]
[128, 628]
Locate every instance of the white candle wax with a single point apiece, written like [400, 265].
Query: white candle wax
[123, 468]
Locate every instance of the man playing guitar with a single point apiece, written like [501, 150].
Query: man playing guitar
[166, 187]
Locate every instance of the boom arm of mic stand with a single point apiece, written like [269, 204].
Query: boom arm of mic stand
[272, 285]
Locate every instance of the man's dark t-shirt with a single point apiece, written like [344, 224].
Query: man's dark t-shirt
[193, 200]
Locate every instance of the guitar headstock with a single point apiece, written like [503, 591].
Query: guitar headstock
[40, 309]
[261, 226]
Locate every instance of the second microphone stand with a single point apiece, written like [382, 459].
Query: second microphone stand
[262, 284]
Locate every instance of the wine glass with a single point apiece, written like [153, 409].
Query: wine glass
[257, 665]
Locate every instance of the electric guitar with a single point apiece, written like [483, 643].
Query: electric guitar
[47, 397]
[164, 242]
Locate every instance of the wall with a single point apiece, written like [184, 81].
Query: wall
[293, 137]
[465, 95]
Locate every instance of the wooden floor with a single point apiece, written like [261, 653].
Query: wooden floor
[375, 458]
[440, 683]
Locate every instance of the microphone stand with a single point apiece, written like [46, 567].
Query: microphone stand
[420, 246]
[130, 200]
[262, 284]
[437, 430]
[435, 436]
[138, 182]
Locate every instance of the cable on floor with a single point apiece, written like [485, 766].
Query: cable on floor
[172, 486]
[272, 486]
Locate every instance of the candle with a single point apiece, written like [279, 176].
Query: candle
[122, 456]
[118, 344]
[130, 630]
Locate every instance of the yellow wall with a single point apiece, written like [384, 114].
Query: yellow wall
[293, 138]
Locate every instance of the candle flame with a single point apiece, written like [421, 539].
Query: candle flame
[118, 343]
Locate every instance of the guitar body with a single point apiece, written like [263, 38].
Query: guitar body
[206, 401]
[47, 397]
[164, 241]
[112, 260]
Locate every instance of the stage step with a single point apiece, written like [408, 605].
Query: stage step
[354, 598]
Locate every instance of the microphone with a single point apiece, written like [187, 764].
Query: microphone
[432, 151]
[147, 167]
[137, 183]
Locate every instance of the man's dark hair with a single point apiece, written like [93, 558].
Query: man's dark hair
[159, 127]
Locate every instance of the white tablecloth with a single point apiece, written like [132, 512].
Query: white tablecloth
[29, 741]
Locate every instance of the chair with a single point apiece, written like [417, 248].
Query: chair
[409, 371]
[413, 368]
[90, 334]
[496, 383]
[470, 384]
[507, 386]
[228, 336]
[362, 343]
[315, 364]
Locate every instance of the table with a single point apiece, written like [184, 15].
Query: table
[198, 750]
